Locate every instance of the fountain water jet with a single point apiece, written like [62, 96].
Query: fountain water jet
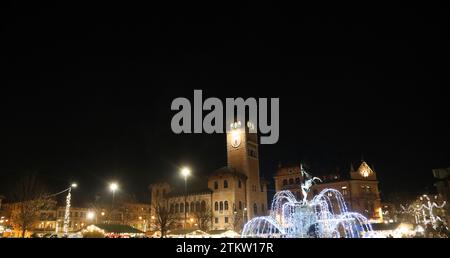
[325, 216]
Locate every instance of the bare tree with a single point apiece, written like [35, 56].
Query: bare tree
[164, 218]
[236, 221]
[204, 218]
[30, 199]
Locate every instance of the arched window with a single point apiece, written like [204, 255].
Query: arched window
[226, 205]
[197, 206]
[187, 206]
[181, 207]
[285, 182]
[221, 206]
[255, 208]
[203, 206]
[216, 206]
[171, 207]
[216, 185]
[291, 181]
[225, 184]
[177, 208]
[192, 209]
[240, 205]
[239, 184]
[263, 209]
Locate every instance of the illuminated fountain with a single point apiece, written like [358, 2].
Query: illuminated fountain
[325, 216]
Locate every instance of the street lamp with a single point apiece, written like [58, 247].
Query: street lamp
[113, 187]
[185, 172]
[243, 215]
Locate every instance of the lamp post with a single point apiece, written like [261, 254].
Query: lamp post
[243, 215]
[113, 187]
[185, 172]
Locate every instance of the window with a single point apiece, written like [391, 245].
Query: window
[285, 182]
[181, 207]
[344, 190]
[216, 206]
[226, 205]
[216, 220]
[240, 205]
[239, 184]
[216, 185]
[255, 208]
[197, 206]
[263, 208]
[221, 206]
[177, 208]
[252, 153]
[187, 206]
[203, 206]
[225, 184]
[291, 181]
[226, 219]
[192, 207]
[262, 188]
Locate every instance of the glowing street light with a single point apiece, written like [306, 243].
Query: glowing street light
[185, 172]
[90, 215]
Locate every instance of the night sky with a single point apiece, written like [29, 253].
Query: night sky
[86, 90]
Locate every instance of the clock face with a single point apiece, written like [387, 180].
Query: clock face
[235, 140]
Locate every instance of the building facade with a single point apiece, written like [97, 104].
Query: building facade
[51, 219]
[234, 194]
[360, 188]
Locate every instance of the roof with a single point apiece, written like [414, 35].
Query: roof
[117, 228]
[194, 192]
[186, 232]
[228, 171]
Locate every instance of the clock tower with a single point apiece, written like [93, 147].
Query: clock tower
[243, 155]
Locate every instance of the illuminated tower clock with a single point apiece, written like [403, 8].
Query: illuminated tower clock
[243, 155]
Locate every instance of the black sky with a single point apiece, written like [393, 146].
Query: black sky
[86, 90]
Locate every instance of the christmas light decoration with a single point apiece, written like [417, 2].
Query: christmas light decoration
[424, 213]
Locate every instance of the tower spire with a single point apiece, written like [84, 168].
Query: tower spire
[352, 169]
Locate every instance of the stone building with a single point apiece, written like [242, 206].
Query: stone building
[234, 193]
[359, 188]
